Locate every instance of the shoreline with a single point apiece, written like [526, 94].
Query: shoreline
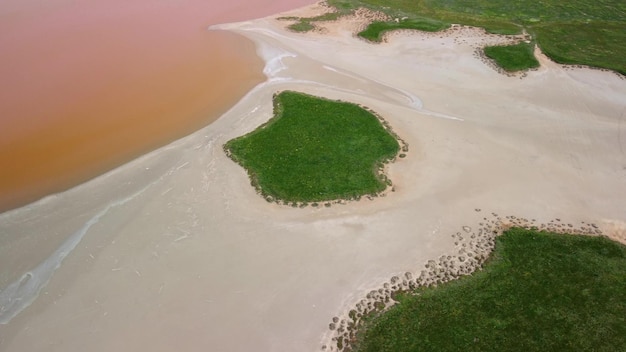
[474, 245]
[75, 104]
[518, 146]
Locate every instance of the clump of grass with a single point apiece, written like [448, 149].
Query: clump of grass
[513, 58]
[301, 26]
[375, 30]
[305, 24]
[539, 291]
[316, 150]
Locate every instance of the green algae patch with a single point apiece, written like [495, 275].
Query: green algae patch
[316, 150]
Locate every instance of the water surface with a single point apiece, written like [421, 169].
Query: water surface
[87, 85]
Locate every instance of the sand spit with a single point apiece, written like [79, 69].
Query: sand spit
[194, 259]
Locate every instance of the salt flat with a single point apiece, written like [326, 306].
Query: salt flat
[177, 251]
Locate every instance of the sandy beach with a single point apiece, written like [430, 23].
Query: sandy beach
[174, 250]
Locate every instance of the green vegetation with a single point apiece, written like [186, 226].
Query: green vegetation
[375, 30]
[539, 291]
[572, 32]
[593, 44]
[316, 149]
[305, 24]
[513, 57]
[302, 26]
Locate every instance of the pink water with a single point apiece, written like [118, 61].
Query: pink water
[86, 85]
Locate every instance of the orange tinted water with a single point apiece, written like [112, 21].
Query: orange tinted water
[87, 85]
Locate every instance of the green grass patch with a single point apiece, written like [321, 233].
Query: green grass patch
[301, 26]
[512, 58]
[375, 31]
[305, 24]
[316, 149]
[575, 31]
[538, 292]
[596, 45]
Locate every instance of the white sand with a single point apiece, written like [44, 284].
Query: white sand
[179, 253]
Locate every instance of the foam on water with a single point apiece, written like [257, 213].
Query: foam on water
[272, 55]
[273, 58]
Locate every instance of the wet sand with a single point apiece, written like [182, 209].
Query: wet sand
[87, 86]
[176, 250]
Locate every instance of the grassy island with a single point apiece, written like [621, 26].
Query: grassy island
[538, 291]
[316, 150]
[582, 32]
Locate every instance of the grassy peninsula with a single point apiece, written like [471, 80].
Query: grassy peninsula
[539, 291]
[570, 32]
[316, 150]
